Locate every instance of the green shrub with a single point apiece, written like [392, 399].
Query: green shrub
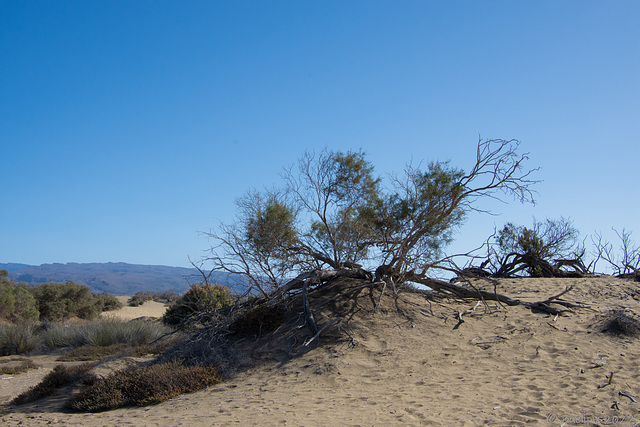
[199, 299]
[18, 339]
[110, 302]
[61, 301]
[139, 386]
[60, 376]
[17, 303]
[139, 298]
[104, 333]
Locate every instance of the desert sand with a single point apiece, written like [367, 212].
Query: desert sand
[504, 366]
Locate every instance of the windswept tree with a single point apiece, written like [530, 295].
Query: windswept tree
[334, 216]
[541, 250]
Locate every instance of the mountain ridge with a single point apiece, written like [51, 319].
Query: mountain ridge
[118, 278]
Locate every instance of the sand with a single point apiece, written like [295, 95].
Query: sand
[504, 366]
[148, 309]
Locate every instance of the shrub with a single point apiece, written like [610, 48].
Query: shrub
[17, 303]
[139, 298]
[60, 301]
[620, 324]
[139, 386]
[104, 332]
[199, 299]
[110, 302]
[16, 365]
[92, 352]
[59, 377]
[18, 339]
[258, 320]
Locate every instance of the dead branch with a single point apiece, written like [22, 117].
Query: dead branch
[462, 313]
[462, 292]
[308, 314]
[328, 326]
[620, 393]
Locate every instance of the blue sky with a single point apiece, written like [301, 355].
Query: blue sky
[126, 127]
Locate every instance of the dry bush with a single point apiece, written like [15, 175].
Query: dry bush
[258, 320]
[139, 386]
[16, 365]
[92, 352]
[621, 324]
[60, 376]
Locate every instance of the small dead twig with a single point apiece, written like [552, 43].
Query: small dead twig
[307, 309]
[609, 383]
[462, 313]
[620, 393]
[384, 287]
[321, 330]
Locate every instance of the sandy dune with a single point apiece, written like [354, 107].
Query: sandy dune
[504, 366]
[148, 309]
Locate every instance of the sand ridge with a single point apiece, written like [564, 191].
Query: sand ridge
[503, 366]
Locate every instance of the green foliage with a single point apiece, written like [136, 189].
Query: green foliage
[338, 214]
[140, 298]
[109, 302]
[61, 301]
[197, 301]
[545, 240]
[18, 339]
[139, 386]
[17, 304]
[104, 333]
[272, 227]
[60, 376]
[412, 225]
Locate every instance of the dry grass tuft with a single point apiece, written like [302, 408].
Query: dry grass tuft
[621, 324]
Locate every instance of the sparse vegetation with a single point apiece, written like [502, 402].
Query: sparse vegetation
[139, 298]
[139, 386]
[18, 339]
[104, 333]
[60, 376]
[16, 365]
[621, 324]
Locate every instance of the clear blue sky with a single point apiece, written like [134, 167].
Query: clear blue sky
[128, 126]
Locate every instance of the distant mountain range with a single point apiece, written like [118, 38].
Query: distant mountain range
[118, 278]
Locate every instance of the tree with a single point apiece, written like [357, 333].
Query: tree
[330, 187]
[624, 262]
[334, 213]
[541, 250]
[258, 245]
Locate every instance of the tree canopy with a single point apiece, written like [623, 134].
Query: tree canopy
[333, 212]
